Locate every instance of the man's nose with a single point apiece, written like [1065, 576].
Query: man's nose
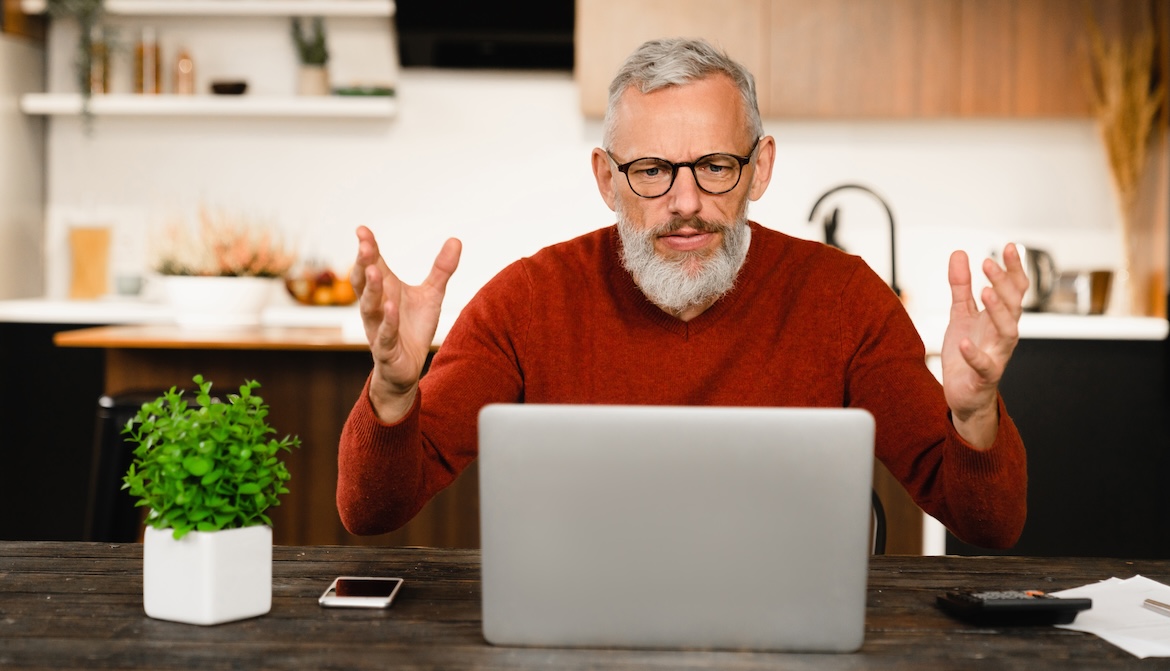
[684, 194]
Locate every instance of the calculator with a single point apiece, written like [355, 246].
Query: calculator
[1012, 607]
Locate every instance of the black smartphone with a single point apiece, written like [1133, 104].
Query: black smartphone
[1012, 607]
[361, 592]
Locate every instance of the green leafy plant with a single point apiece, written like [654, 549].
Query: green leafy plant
[89, 15]
[206, 466]
[312, 48]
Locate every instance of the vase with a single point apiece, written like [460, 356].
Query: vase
[313, 80]
[218, 302]
[207, 577]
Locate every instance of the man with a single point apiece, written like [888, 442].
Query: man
[685, 302]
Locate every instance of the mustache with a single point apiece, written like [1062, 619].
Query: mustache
[695, 223]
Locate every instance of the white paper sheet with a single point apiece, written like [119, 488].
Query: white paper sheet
[1119, 617]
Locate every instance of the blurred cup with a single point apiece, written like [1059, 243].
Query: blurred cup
[1082, 292]
[89, 247]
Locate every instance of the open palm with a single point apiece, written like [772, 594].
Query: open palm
[979, 343]
[400, 321]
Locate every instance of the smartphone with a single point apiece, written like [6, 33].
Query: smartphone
[356, 592]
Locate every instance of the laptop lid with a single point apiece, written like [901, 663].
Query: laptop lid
[675, 527]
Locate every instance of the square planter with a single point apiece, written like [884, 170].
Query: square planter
[207, 577]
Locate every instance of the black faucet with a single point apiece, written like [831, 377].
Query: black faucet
[830, 224]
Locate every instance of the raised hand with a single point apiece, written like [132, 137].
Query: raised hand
[400, 321]
[979, 343]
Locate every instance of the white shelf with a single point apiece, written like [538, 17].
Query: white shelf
[235, 7]
[53, 104]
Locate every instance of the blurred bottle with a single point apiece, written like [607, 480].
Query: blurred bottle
[184, 74]
[146, 60]
[99, 61]
[89, 248]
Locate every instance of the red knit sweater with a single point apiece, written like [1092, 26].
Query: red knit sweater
[806, 325]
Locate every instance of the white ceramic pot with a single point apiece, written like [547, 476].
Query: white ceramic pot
[215, 302]
[207, 577]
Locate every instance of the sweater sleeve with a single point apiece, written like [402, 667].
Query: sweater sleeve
[387, 473]
[979, 495]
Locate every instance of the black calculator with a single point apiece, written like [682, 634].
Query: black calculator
[1012, 607]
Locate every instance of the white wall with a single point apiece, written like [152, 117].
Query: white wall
[501, 160]
[22, 160]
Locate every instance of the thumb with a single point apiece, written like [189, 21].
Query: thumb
[445, 264]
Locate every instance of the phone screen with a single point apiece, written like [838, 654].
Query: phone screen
[361, 592]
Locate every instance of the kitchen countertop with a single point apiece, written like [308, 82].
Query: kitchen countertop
[1048, 326]
[127, 311]
[931, 326]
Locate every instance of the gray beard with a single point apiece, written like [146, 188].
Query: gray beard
[687, 280]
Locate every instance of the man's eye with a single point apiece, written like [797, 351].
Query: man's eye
[649, 170]
[717, 166]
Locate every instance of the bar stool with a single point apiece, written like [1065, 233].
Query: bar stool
[111, 515]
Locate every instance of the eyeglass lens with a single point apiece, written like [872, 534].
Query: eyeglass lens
[651, 177]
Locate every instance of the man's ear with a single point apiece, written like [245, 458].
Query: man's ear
[762, 174]
[603, 173]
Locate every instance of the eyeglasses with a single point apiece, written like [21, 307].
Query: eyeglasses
[714, 173]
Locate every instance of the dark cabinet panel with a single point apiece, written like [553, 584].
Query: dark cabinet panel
[1095, 417]
[47, 412]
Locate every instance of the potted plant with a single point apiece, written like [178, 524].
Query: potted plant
[224, 274]
[207, 471]
[313, 54]
[92, 61]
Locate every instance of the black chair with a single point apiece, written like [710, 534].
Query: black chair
[111, 515]
[879, 524]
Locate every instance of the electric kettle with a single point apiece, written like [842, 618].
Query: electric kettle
[1041, 272]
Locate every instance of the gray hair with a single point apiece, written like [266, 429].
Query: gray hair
[661, 63]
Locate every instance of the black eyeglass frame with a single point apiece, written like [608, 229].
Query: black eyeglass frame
[624, 168]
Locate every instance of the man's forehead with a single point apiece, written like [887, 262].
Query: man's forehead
[705, 114]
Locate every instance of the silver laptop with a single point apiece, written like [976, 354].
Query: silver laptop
[675, 527]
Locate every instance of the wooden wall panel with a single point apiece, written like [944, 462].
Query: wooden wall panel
[608, 30]
[1023, 58]
[849, 59]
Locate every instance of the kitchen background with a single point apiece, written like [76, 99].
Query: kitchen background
[970, 118]
[500, 159]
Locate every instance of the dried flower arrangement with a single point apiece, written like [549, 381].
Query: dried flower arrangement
[1127, 88]
[226, 246]
[1127, 94]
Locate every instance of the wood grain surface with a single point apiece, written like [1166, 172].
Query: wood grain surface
[79, 605]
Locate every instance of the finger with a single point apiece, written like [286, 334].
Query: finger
[1010, 294]
[445, 264]
[368, 255]
[979, 361]
[959, 276]
[386, 338]
[1015, 267]
[371, 299]
[1004, 318]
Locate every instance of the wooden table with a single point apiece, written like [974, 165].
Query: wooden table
[79, 605]
[310, 378]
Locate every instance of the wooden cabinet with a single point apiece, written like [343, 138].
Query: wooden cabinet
[847, 59]
[311, 378]
[608, 30]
